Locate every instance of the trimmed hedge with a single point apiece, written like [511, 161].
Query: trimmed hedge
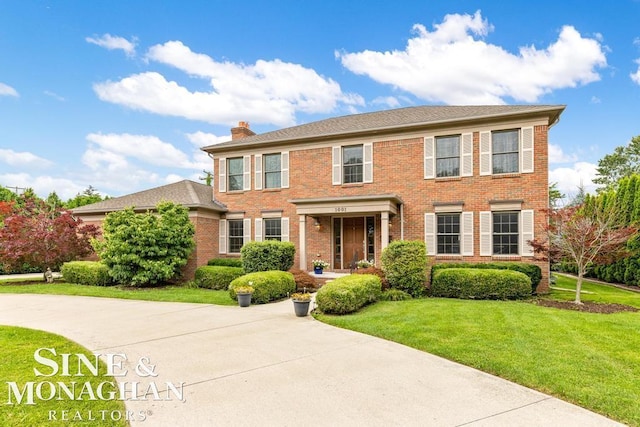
[92, 273]
[469, 283]
[533, 271]
[225, 262]
[267, 256]
[267, 285]
[216, 277]
[405, 266]
[348, 293]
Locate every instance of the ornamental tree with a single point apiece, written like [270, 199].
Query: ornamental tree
[42, 236]
[148, 248]
[583, 236]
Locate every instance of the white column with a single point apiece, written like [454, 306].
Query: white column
[302, 230]
[384, 225]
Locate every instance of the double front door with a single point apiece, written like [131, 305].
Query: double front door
[353, 240]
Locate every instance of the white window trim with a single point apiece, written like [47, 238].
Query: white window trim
[466, 156]
[337, 166]
[260, 231]
[466, 233]
[526, 225]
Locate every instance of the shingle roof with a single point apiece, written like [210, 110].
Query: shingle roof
[380, 121]
[190, 194]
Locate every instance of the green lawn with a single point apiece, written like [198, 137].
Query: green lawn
[164, 293]
[17, 346]
[589, 359]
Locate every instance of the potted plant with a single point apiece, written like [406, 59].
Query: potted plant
[244, 294]
[301, 301]
[319, 265]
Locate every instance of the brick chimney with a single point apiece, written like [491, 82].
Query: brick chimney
[242, 131]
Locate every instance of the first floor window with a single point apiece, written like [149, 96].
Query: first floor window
[448, 156]
[235, 168]
[352, 161]
[505, 151]
[448, 233]
[273, 229]
[505, 233]
[236, 235]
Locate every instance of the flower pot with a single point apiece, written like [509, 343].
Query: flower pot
[244, 300]
[301, 308]
[317, 270]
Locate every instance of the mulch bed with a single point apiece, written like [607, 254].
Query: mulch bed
[590, 307]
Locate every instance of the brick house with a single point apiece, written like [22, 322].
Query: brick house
[204, 213]
[470, 181]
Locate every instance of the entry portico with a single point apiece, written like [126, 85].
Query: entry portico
[359, 225]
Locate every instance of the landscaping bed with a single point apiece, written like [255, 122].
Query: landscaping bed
[589, 307]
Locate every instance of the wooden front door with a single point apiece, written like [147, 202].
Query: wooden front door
[353, 238]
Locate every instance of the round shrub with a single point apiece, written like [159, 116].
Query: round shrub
[268, 255]
[226, 262]
[348, 293]
[216, 277]
[468, 283]
[405, 266]
[267, 285]
[93, 273]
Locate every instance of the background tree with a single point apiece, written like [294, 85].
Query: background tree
[7, 195]
[555, 195]
[624, 161]
[583, 236]
[149, 248]
[38, 236]
[87, 197]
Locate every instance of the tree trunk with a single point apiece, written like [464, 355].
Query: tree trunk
[579, 287]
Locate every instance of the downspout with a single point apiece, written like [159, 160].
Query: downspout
[401, 221]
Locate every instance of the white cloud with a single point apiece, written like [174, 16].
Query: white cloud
[6, 90]
[556, 155]
[636, 76]
[203, 139]
[452, 64]
[569, 179]
[54, 95]
[114, 42]
[23, 158]
[264, 92]
[43, 185]
[147, 148]
[389, 101]
[595, 100]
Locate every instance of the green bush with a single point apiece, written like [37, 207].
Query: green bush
[348, 293]
[216, 277]
[394, 295]
[268, 285]
[267, 256]
[405, 266]
[531, 270]
[225, 262]
[91, 273]
[470, 283]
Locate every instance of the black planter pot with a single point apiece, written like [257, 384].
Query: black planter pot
[244, 300]
[301, 307]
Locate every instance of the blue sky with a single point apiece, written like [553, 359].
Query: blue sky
[120, 95]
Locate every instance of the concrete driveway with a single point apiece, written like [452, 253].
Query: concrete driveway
[262, 366]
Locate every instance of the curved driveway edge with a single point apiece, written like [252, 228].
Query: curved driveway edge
[261, 365]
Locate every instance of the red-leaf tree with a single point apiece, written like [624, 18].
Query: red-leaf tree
[41, 236]
[583, 236]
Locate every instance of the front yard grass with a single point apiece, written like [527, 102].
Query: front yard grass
[17, 347]
[588, 359]
[161, 293]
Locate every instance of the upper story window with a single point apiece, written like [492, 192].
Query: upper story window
[352, 164]
[235, 166]
[505, 151]
[447, 156]
[272, 170]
